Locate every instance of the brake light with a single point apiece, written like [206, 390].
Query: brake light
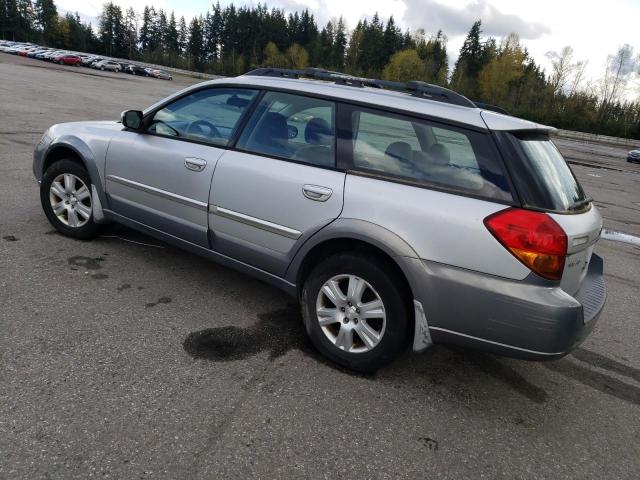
[534, 238]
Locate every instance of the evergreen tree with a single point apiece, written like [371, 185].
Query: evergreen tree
[46, 15]
[195, 44]
[22, 19]
[339, 45]
[160, 32]
[373, 56]
[470, 62]
[3, 19]
[434, 54]
[171, 38]
[326, 41]
[131, 33]
[183, 36]
[112, 31]
[145, 30]
[392, 40]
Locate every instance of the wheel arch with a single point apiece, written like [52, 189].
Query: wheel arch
[72, 148]
[62, 152]
[354, 235]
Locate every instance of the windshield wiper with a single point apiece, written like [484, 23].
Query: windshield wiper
[580, 203]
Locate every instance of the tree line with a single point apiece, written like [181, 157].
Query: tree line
[231, 40]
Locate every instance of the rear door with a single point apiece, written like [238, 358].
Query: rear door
[162, 177]
[280, 185]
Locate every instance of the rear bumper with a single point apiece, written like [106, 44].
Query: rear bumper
[530, 319]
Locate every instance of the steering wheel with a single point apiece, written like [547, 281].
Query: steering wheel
[199, 124]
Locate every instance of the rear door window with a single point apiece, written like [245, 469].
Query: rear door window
[293, 127]
[424, 152]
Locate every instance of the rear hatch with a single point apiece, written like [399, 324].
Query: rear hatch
[545, 182]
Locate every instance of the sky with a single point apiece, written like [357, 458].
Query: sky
[594, 29]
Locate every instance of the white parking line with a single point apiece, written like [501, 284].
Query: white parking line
[620, 237]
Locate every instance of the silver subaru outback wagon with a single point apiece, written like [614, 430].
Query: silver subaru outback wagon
[397, 214]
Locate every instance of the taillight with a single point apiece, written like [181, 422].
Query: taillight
[534, 238]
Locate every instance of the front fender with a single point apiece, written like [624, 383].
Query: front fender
[94, 166]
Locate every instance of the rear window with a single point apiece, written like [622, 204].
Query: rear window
[543, 177]
[423, 152]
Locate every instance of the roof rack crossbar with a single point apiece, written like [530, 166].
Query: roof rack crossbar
[415, 87]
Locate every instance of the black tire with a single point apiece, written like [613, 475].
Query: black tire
[85, 232]
[386, 282]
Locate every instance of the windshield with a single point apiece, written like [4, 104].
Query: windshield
[543, 176]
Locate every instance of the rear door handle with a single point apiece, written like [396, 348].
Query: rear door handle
[195, 164]
[316, 192]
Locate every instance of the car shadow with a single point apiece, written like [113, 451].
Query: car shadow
[281, 331]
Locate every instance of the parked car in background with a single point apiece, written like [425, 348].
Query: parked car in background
[53, 55]
[634, 156]
[88, 61]
[136, 70]
[394, 218]
[24, 51]
[37, 51]
[57, 56]
[13, 49]
[73, 60]
[161, 74]
[107, 65]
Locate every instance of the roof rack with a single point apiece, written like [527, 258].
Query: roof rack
[415, 87]
[493, 108]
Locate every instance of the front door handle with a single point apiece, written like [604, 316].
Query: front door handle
[316, 192]
[195, 164]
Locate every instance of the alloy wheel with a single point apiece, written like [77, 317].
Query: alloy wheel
[351, 313]
[70, 200]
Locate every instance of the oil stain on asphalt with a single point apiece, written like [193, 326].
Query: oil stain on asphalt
[276, 332]
[160, 300]
[10, 238]
[89, 264]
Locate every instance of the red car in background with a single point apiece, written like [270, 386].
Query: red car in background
[68, 60]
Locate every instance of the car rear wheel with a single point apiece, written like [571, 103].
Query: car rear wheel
[65, 195]
[355, 312]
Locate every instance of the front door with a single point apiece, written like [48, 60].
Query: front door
[162, 177]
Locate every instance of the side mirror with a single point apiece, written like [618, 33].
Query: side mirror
[132, 119]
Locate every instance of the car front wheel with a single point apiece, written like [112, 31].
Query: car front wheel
[65, 195]
[356, 312]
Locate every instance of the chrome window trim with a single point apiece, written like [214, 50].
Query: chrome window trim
[190, 202]
[255, 222]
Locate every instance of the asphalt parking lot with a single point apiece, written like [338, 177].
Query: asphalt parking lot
[126, 358]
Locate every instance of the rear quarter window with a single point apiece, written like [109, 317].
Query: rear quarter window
[542, 176]
[427, 153]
